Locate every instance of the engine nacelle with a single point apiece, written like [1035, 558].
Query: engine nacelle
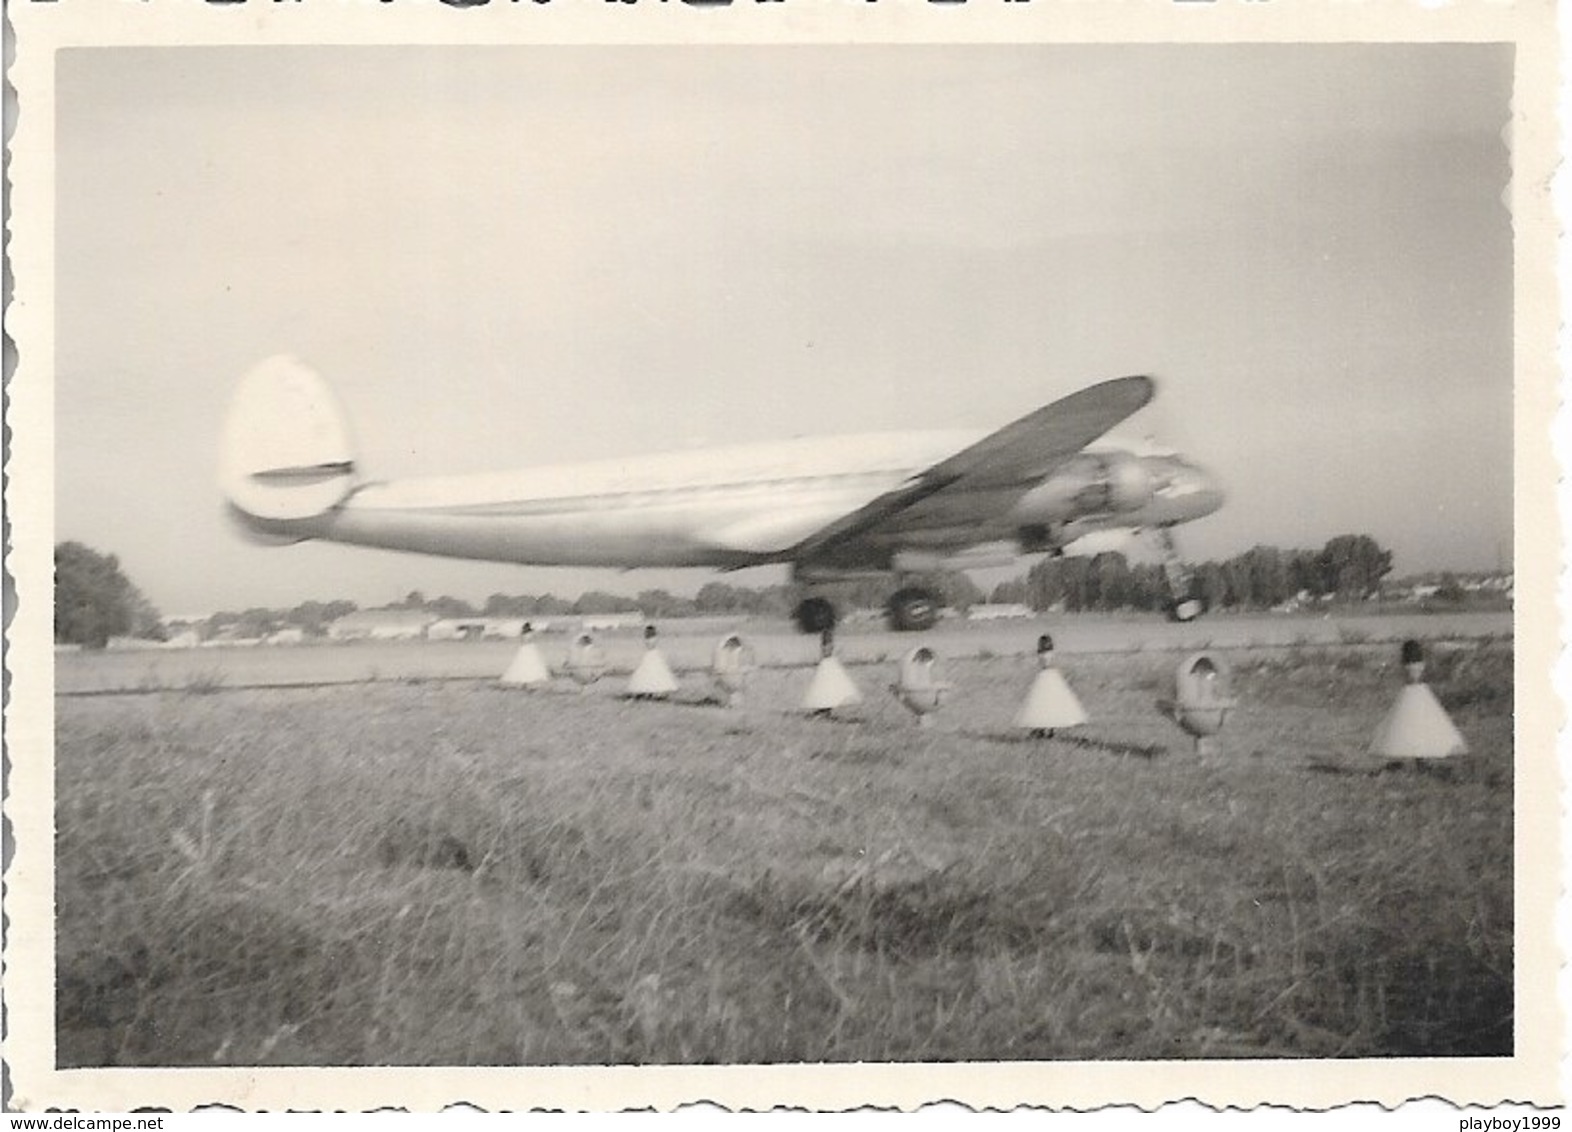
[1093, 483]
[1126, 483]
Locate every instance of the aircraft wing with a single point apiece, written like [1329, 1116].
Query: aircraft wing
[999, 468]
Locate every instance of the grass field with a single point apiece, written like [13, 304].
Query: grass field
[446, 872]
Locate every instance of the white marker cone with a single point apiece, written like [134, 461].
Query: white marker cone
[652, 677]
[830, 687]
[1417, 727]
[916, 686]
[586, 661]
[528, 669]
[1049, 704]
[729, 669]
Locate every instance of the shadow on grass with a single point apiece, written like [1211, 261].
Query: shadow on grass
[1148, 751]
[899, 918]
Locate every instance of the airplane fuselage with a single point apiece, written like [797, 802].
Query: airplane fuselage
[732, 507]
[835, 507]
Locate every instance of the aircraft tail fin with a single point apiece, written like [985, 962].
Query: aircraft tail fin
[287, 454]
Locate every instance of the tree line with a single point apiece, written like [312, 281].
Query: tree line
[1348, 567]
[712, 599]
[95, 601]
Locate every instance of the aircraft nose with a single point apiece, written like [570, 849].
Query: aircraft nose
[1204, 492]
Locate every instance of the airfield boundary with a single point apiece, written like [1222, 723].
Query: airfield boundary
[775, 644]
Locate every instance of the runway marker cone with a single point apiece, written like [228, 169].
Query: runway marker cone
[586, 661]
[1202, 699]
[1417, 726]
[729, 668]
[1049, 704]
[528, 669]
[652, 679]
[830, 687]
[917, 686]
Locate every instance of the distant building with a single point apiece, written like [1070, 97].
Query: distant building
[185, 630]
[381, 625]
[998, 611]
[182, 620]
[602, 621]
[290, 636]
[125, 644]
[1493, 583]
[223, 642]
[478, 628]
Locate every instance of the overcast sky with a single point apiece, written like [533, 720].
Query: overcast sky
[509, 256]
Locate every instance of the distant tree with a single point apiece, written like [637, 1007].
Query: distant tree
[146, 621]
[1077, 583]
[1304, 572]
[1268, 576]
[1013, 592]
[414, 600]
[1352, 566]
[1451, 590]
[307, 616]
[257, 622]
[1148, 586]
[868, 593]
[1108, 581]
[957, 590]
[315, 616]
[718, 597]
[660, 603]
[525, 605]
[1213, 584]
[451, 607]
[550, 605]
[598, 601]
[771, 601]
[94, 600]
[1240, 582]
[1045, 584]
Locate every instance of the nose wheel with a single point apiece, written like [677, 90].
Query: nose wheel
[1184, 604]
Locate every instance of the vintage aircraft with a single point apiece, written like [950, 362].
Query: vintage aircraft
[831, 508]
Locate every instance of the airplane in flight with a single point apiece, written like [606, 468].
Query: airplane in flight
[831, 508]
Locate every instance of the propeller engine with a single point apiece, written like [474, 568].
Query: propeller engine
[1121, 483]
[1092, 483]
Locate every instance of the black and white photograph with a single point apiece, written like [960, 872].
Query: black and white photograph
[905, 557]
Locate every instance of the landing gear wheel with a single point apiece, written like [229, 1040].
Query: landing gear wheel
[815, 615]
[913, 610]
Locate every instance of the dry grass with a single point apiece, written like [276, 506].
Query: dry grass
[449, 873]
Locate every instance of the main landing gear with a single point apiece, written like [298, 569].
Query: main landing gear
[911, 609]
